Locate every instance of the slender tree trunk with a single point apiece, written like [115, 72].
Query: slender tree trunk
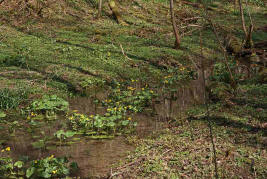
[1, 1]
[99, 8]
[175, 30]
[242, 17]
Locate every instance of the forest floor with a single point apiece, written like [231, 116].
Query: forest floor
[70, 53]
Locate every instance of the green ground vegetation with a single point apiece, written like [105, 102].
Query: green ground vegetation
[52, 52]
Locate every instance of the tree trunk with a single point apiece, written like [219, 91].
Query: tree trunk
[242, 17]
[115, 11]
[99, 8]
[249, 42]
[175, 30]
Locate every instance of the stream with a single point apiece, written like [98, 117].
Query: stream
[95, 157]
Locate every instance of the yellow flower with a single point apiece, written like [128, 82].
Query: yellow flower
[132, 80]
[166, 81]
[92, 116]
[32, 114]
[3, 150]
[143, 89]
[151, 91]
[129, 118]
[52, 156]
[75, 111]
[35, 161]
[54, 171]
[130, 88]
[182, 68]
[8, 149]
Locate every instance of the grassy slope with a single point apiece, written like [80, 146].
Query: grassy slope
[186, 150]
[63, 57]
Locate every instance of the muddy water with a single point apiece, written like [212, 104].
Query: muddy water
[95, 157]
[170, 105]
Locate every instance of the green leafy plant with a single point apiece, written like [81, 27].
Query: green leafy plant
[49, 105]
[99, 125]
[49, 167]
[62, 135]
[127, 98]
[9, 169]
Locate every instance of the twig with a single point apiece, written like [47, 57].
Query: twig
[166, 152]
[124, 53]
[191, 25]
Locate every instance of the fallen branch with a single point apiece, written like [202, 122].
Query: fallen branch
[124, 53]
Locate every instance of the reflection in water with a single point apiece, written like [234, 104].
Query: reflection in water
[95, 157]
[170, 105]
